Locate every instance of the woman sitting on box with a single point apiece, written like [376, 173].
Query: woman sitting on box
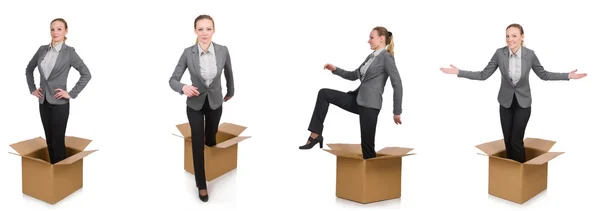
[54, 61]
[206, 61]
[366, 100]
[515, 62]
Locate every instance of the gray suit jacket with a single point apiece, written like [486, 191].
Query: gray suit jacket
[190, 60]
[507, 89]
[67, 58]
[371, 88]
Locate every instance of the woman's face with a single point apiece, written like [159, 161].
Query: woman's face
[376, 41]
[514, 38]
[204, 30]
[58, 31]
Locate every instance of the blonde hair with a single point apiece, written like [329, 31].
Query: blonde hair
[389, 38]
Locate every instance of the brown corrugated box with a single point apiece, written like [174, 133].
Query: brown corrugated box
[219, 159]
[47, 182]
[514, 181]
[366, 181]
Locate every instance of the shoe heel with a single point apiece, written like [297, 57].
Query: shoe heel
[321, 140]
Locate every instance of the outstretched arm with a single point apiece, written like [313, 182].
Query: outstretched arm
[488, 71]
[348, 75]
[539, 70]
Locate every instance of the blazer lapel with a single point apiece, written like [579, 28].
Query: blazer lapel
[370, 69]
[523, 64]
[40, 59]
[360, 67]
[506, 63]
[219, 57]
[196, 61]
[60, 60]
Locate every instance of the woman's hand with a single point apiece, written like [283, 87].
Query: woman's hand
[60, 93]
[226, 98]
[37, 93]
[190, 91]
[574, 75]
[451, 70]
[397, 119]
[329, 67]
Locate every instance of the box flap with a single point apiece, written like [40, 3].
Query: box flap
[185, 130]
[341, 153]
[231, 129]
[231, 142]
[29, 146]
[390, 156]
[76, 142]
[499, 158]
[390, 151]
[352, 148]
[74, 158]
[544, 158]
[505, 159]
[539, 144]
[492, 147]
[30, 158]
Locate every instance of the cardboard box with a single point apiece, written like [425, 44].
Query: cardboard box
[47, 182]
[366, 181]
[219, 159]
[514, 181]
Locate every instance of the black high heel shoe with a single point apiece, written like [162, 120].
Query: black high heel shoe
[203, 198]
[312, 142]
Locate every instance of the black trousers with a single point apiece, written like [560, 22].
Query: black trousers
[54, 120]
[200, 133]
[514, 121]
[347, 101]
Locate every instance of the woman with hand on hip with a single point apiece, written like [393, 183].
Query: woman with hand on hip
[54, 62]
[207, 61]
[515, 62]
[366, 100]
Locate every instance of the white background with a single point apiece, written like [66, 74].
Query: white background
[278, 50]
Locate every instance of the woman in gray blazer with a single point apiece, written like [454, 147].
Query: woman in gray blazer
[206, 61]
[366, 100]
[515, 61]
[54, 62]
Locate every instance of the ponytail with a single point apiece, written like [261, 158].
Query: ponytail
[389, 38]
[390, 47]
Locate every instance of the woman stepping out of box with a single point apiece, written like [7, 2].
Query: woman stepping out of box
[365, 100]
[515, 62]
[54, 61]
[206, 61]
